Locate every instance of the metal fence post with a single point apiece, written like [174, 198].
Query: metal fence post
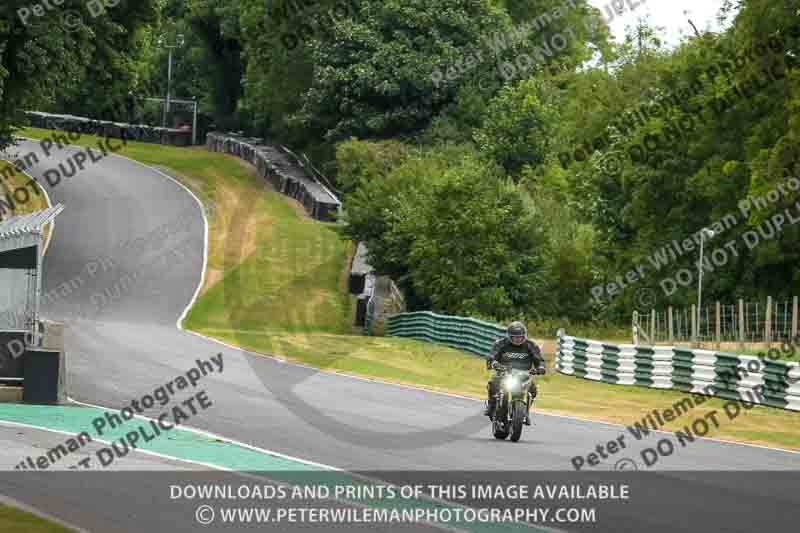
[794, 319]
[719, 340]
[694, 325]
[741, 323]
[670, 325]
[653, 326]
[768, 323]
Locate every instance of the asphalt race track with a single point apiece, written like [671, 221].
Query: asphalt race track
[122, 341]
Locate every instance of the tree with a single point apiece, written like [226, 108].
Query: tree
[518, 126]
[373, 74]
[119, 37]
[41, 56]
[221, 62]
[475, 248]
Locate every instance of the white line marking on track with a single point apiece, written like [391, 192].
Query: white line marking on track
[11, 502]
[146, 452]
[221, 438]
[289, 457]
[196, 295]
[224, 469]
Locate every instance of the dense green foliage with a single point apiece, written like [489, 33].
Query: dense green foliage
[48, 56]
[500, 158]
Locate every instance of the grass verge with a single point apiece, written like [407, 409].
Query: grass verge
[15, 521]
[291, 301]
[34, 199]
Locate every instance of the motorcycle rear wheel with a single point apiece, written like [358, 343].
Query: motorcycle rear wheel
[500, 429]
[500, 434]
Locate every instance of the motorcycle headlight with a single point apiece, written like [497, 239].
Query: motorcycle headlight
[511, 383]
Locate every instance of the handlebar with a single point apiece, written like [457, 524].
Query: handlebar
[533, 371]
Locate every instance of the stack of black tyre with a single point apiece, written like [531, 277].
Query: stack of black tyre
[114, 130]
[282, 170]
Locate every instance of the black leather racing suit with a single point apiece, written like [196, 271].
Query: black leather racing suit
[526, 356]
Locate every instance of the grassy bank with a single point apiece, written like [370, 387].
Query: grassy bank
[28, 202]
[21, 204]
[14, 521]
[276, 285]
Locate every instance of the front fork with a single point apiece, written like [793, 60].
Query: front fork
[500, 395]
[509, 401]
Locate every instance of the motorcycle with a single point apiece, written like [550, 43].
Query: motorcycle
[511, 402]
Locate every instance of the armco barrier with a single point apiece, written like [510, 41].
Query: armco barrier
[277, 166]
[728, 376]
[114, 130]
[467, 334]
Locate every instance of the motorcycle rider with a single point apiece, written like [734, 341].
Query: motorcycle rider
[516, 351]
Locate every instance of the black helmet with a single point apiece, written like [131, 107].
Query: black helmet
[516, 333]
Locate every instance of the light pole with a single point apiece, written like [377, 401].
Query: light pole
[705, 232]
[162, 41]
[194, 122]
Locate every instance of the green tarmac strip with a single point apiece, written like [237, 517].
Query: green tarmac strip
[177, 443]
[185, 445]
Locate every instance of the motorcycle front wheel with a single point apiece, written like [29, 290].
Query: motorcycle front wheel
[517, 420]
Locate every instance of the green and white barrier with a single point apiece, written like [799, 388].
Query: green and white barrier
[725, 375]
[467, 334]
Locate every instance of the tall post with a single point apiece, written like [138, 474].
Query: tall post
[694, 326]
[194, 124]
[719, 332]
[699, 287]
[768, 323]
[741, 324]
[37, 296]
[169, 88]
[794, 319]
[653, 326]
[670, 325]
